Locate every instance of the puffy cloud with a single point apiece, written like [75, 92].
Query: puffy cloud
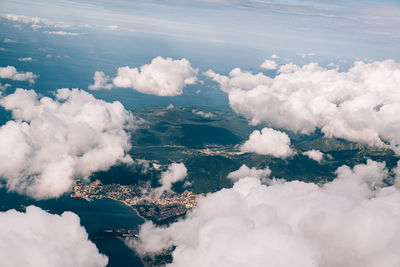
[11, 72]
[273, 56]
[343, 223]
[203, 114]
[176, 172]
[269, 65]
[63, 33]
[360, 104]
[163, 77]
[51, 142]
[314, 154]
[36, 22]
[245, 171]
[39, 239]
[101, 81]
[25, 59]
[268, 142]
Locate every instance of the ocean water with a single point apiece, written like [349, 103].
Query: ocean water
[95, 216]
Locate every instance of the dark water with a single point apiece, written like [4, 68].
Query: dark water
[95, 216]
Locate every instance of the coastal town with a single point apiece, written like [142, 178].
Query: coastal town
[160, 209]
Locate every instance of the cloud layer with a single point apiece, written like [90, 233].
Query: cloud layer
[359, 105]
[39, 239]
[162, 77]
[10, 72]
[51, 142]
[351, 221]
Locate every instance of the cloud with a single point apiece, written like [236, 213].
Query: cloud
[176, 172]
[343, 223]
[24, 59]
[245, 171]
[273, 56]
[113, 27]
[11, 73]
[269, 65]
[36, 238]
[314, 154]
[304, 55]
[206, 115]
[50, 142]
[36, 22]
[101, 81]
[63, 33]
[360, 104]
[163, 77]
[4, 87]
[8, 40]
[268, 142]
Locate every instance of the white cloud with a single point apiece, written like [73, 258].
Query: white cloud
[163, 77]
[170, 106]
[101, 81]
[11, 73]
[314, 154]
[343, 223]
[24, 59]
[176, 172]
[269, 65]
[8, 40]
[245, 171]
[304, 55]
[51, 142]
[273, 56]
[268, 142]
[113, 27]
[39, 239]
[63, 33]
[359, 105]
[36, 22]
[206, 115]
[4, 87]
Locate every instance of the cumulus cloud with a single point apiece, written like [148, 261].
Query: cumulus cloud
[347, 222]
[268, 142]
[39, 239]
[245, 171]
[360, 104]
[10, 72]
[269, 65]
[35, 22]
[176, 172]
[63, 33]
[101, 81]
[314, 154]
[273, 56]
[206, 115]
[163, 77]
[25, 59]
[52, 141]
